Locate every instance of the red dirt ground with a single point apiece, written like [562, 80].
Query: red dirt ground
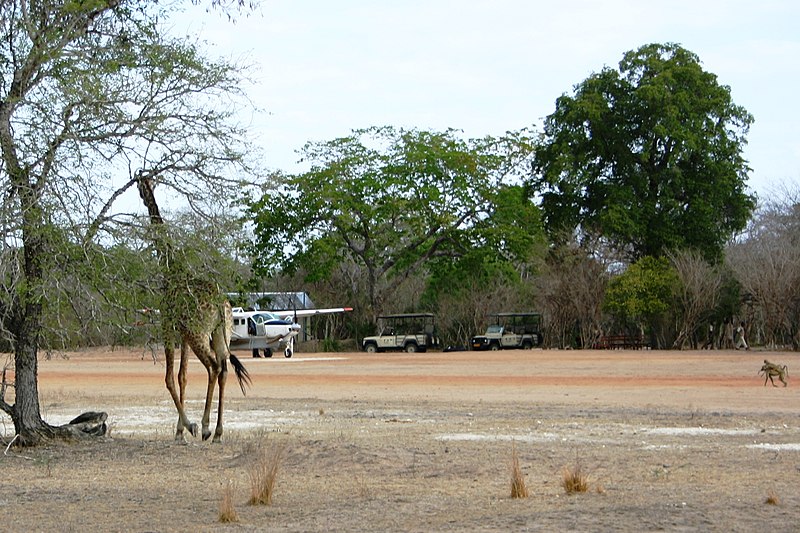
[714, 379]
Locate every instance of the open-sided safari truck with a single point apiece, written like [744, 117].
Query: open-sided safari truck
[409, 332]
[510, 330]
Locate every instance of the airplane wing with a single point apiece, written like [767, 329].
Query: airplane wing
[290, 314]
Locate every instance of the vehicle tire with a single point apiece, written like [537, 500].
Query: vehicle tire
[288, 353]
[370, 348]
[267, 352]
[494, 347]
[527, 345]
[255, 353]
[411, 348]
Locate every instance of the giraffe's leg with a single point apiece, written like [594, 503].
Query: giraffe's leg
[219, 344]
[183, 421]
[202, 350]
[182, 391]
[223, 377]
[213, 376]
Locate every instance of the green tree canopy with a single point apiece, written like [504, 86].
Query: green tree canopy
[648, 156]
[643, 294]
[394, 201]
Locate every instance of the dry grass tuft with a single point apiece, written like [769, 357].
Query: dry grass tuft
[518, 488]
[362, 488]
[574, 479]
[772, 498]
[263, 475]
[227, 512]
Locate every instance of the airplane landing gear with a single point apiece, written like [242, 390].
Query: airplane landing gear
[267, 352]
[289, 349]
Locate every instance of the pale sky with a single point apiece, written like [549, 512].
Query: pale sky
[326, 67]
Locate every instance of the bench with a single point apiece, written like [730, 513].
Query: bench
[620, 342]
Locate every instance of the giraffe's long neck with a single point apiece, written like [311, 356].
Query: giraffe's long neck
[185, 294]
[147, 194]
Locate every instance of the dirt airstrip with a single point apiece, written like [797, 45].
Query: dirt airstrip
[671, 441]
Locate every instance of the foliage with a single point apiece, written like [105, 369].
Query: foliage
[230, 7]
[697, 294]
[766, 265]
[571, 290]
[643, 294]
[494, 275]
[393, 202]
[649, 156]
[464, 300]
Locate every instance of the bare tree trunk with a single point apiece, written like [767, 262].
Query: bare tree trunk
[28, 423]
[25, 413]
[27, 322]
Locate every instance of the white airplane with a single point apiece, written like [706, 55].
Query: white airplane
[271, 331]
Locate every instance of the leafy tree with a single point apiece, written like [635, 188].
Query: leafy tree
[648, 156]
[642, 296]
[392, 202]
[494, 272]
[92, 95]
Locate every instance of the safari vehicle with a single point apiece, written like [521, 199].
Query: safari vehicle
[409, 332]
[510, 330]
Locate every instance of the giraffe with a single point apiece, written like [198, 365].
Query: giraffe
[194, 312]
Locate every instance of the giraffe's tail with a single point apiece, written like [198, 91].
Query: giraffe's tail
[241, 373]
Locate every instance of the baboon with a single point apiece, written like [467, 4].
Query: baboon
[770, 370]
